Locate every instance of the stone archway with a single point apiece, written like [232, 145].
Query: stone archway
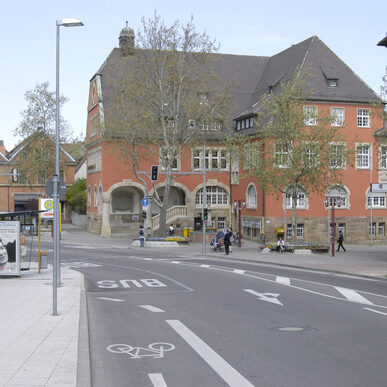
[122, 211]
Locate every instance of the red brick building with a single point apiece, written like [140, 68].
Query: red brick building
[115, 195]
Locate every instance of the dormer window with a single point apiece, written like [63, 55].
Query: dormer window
[332, 82]
[245, 123]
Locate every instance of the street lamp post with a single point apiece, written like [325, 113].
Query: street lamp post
[332, 201]
[56, 269]
[239, 204]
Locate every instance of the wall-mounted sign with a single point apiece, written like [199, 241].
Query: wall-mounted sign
[378, 187]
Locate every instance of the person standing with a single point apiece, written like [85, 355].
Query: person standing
[340, 241]
[23, 245]
[141, 234]
[227, 241]
[171, 230]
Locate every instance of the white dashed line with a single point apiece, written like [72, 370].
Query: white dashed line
[237, 271]
[152, 308]
[283, 280]
[376, 311]
[157, 380]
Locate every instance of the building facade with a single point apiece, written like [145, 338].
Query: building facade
[115, 196]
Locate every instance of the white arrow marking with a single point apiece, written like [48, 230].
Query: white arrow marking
[110, 299]
[352, 295]
[152, 308]
[283, 280]
[269, 297]
[157, 380]
[237, 271]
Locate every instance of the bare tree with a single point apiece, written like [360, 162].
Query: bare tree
[300, 151]
[164, 99]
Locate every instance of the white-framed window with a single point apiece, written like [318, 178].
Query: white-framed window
[311, 156]
[363, 118]
[381, 228]
[301, 201]
[383, 157]
[216, 196]
[372, 229]
[376, 201]
[310, 115]
[342, 228]
[94, 160]
[337, 156]
[363, 152]
[289, 231]
[216, 158]
[251, 196]
[281, 154]
[337, 114]
[300, 230]
[337, 194]
[95, 196]
[255, 154]
[221, 222]
[163, 160]
[332, 82]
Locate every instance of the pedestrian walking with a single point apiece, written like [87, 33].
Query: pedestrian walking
[141, 234]
[23, 245]
[340, 241]
[171, 230]
[227, 241]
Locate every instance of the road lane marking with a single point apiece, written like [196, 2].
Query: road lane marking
[269, 297]
[376, 311]
[283, 280]
[152, 308]
[205, 266]
[110, 299]
[237, 271]
[157, 380]
[230, 375]
[353, 296]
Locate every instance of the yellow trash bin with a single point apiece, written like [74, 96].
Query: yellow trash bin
[186, 232]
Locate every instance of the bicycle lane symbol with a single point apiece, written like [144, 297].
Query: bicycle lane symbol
[155, 350]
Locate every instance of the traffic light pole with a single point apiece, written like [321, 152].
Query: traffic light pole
[204, 200]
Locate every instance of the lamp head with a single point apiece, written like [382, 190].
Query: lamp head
[69, 22]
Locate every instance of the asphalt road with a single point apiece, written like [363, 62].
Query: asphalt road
[162, 319]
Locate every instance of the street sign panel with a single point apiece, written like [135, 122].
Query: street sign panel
[46, 205]
[62, 189]
[144, 202]
[378, 187]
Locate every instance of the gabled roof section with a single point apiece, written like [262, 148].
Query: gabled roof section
[323, 64]
[24, 143]
[242, 70]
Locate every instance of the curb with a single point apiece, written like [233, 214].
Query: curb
[84, 361]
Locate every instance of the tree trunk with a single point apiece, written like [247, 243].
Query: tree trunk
[294, 217]
[163, 209]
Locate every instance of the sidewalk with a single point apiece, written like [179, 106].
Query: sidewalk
[38, 349]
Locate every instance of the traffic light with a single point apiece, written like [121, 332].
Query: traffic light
[205, 216]
[155, 172]
[144, 214]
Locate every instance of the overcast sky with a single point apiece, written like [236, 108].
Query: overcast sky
[351, 28]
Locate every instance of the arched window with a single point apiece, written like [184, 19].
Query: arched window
[216, 196]
[335, 194]
[95, 196]
[251, 197]
[89, 196]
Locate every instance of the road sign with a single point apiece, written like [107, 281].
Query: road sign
[144, 202]
[50, 189]
[378, 187]
[46, 205]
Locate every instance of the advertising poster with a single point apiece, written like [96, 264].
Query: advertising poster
[9, 248]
